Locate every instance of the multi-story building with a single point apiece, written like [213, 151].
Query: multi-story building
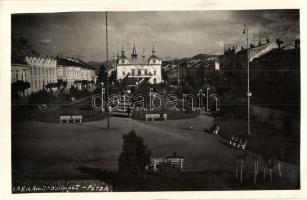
[74, 71]
[274, 75]
[20, 72]
[42, 71]
[139, 68]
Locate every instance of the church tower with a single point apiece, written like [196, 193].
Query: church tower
[153, 50]
[134, 54]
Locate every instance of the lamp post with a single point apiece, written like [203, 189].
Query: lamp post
[249, 94]
[107, 81]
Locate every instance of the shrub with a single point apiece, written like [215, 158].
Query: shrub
[135, 156]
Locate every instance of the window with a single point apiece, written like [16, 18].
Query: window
[123, 61]
[124, 73]
[155, 81]
[154, 61]
[132, 72]
[155, 73]
[139, 72]
[145, 72]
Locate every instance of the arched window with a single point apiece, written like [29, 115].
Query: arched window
[139, 72]
[155, 81]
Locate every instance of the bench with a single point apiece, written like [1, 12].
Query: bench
[152, 117]
[165, 117]
[65, 118]
[238, 142]
[43, 108]
[77, 118]
[216, 130]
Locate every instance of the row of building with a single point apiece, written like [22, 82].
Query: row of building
[41, 71]
[274, 74]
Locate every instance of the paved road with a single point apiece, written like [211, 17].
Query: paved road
[49, 148]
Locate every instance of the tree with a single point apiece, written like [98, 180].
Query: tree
[165, 75]
[20, 86]
[102, 76]
[135, 156]
[112, 77]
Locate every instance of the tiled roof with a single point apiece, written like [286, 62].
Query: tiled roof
[73, 62]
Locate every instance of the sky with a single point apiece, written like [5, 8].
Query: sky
[175, 34]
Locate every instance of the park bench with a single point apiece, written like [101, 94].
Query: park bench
[65, 118]
[77, 118]
[43, 108]
[238, 142]
[152, 117]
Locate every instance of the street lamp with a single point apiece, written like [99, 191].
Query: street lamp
[249, 94]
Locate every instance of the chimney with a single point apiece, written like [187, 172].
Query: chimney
[297, 43]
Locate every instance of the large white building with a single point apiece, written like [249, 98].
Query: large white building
[42, 71]
[139, 68]
[20, 72]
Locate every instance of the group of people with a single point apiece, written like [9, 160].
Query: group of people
[61, 186]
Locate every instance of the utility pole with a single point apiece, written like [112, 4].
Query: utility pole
[178, 74]
[249, 94]
[107, 79]
[107, 53]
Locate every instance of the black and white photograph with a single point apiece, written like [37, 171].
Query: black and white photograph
[155, 101]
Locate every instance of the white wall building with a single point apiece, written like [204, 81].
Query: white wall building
[20, 72]
[42, 71]
[139, 68]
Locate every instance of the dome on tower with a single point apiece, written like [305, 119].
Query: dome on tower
[123, 58]
[153, 59]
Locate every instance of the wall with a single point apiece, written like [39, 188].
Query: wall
[42, 72]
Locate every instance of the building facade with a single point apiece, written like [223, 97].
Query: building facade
[139, 68]
[74, 71]
[274, 75]
[42, 71]
[20, 72]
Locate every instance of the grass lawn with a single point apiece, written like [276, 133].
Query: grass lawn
[83, 108]
[171, 115]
